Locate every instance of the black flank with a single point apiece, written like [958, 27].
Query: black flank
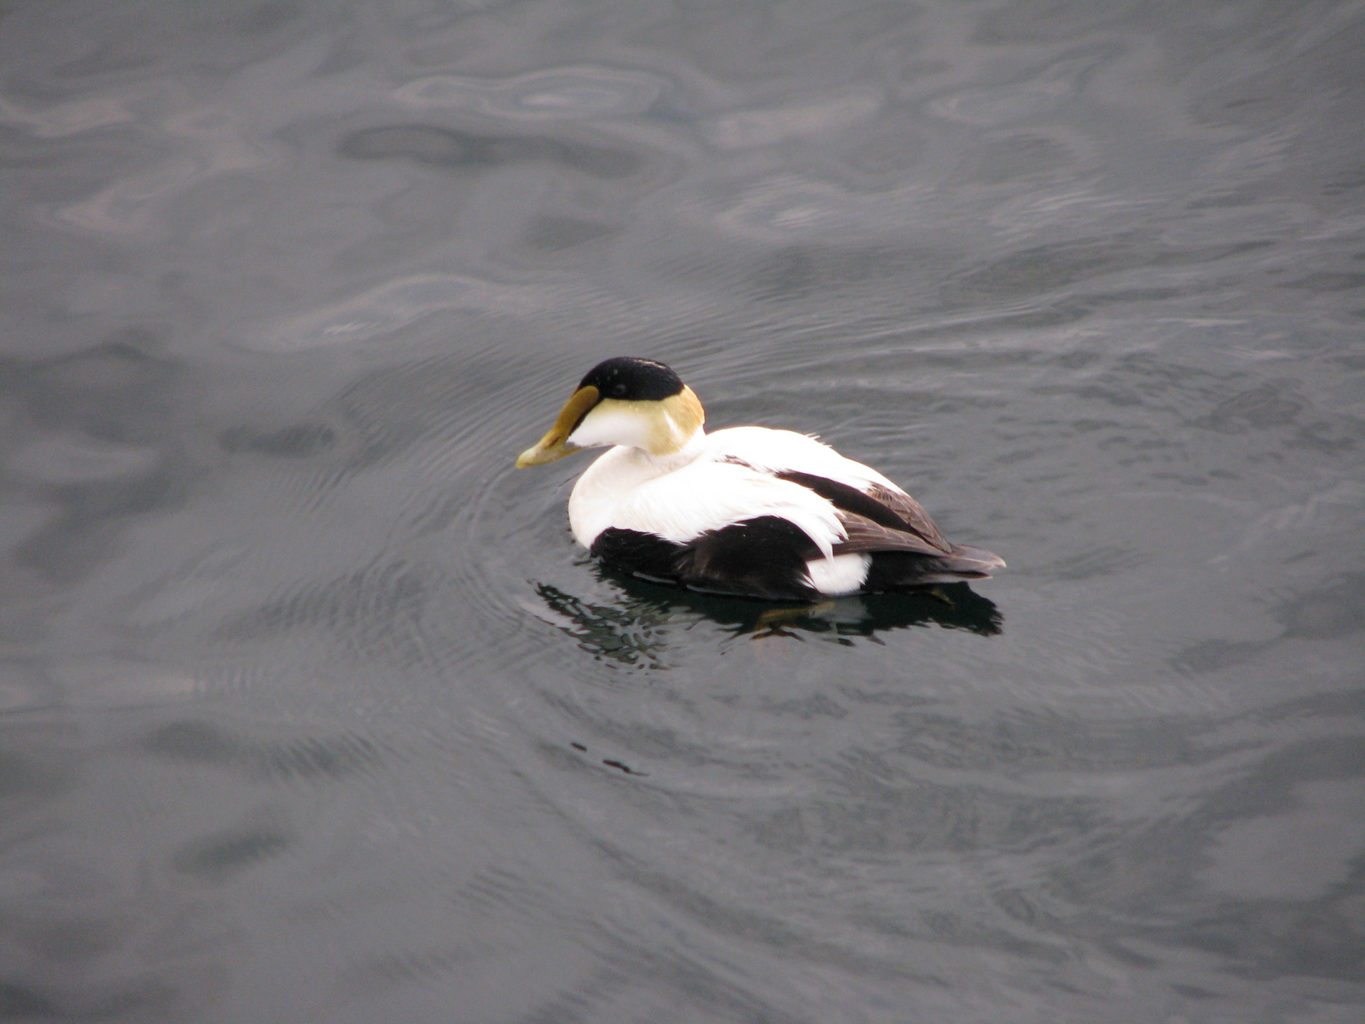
[762, 557]
[640, 553]
[765, 556]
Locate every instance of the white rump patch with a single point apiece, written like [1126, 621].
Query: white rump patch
[842, 574]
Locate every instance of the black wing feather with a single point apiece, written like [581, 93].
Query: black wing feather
[903, 523]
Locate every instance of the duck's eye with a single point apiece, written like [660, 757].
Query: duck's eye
[618, 391]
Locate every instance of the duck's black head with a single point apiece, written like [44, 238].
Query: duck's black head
[633, 403]
[630, 379]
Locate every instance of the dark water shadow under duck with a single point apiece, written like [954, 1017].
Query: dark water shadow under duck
[638, 625]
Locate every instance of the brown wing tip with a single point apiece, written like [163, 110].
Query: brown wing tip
[975, 559]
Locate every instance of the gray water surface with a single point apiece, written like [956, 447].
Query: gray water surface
[311, 711]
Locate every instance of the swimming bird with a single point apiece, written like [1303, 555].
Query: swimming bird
[753, 511]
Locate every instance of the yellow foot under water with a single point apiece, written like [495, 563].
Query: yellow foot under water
[770, 622]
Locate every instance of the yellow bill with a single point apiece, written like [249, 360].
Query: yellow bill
[555, 444]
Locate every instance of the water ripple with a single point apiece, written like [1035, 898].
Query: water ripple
[567, 93]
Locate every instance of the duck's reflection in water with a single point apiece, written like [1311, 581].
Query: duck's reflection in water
[642, 618]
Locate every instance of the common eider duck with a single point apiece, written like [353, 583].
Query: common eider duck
[749, 511]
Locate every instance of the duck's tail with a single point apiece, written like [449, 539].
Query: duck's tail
[899, 570]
